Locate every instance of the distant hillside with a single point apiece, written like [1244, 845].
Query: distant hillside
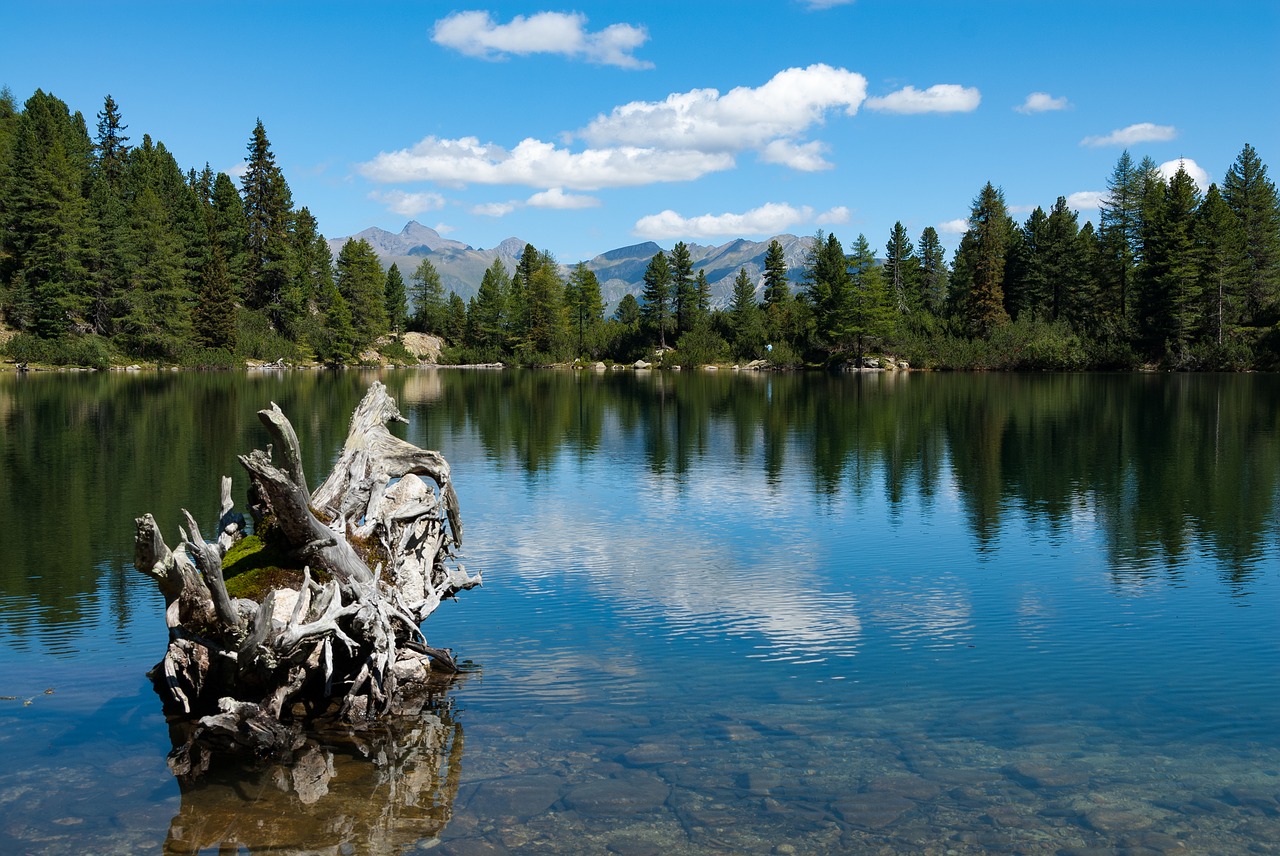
[620, 271]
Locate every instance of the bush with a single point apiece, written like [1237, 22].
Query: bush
[90, 351]
[699, 347]
[257, 340]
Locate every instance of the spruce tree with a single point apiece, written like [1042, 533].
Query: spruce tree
[268, 207]
[1225, 266]
[684, 290]
[584, 306]
[745, 322]
[872, 312]
[777, 291]
[989, 236]
[487, 317]
[827, 289]
[1252, 196]
[1170, 273]
[933, 272]
[428, 298]
[901, 268]
[1120, 225]
[396, 299]
[362, 284]
[656, 309]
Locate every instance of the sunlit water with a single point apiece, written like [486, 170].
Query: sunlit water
[722, 614]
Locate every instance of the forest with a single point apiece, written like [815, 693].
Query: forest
[111, 253]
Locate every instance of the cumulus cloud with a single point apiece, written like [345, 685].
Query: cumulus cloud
[1086, 200]
[557, 198]
[1170, 168]
[408, 204]
[807, 157]
[534, 163]
[954, 227]
[476, 34]
[769, 219]
[1143, 132]
[833, 217]
[1042, 102]
[784, 108]
[940, 98]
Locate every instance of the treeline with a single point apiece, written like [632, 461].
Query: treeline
[110, 251]
[1170, 277]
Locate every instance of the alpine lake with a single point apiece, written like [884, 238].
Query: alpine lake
[723, 612]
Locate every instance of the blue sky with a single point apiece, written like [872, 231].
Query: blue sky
[588, 127]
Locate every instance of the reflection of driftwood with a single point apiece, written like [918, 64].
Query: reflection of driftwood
[330, 797]
[375, 544]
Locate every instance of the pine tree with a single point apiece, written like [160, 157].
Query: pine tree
[111, 146]
[1225, 266]
[268, 207]
[44, 230]
[396, 300]
[901, 268]
[1252, 196]
[428, 298]
[487, 319]
[683, 288]
[1120, 223]
[828, 284]
[1170, 273]
[362, 284]
[745, 321]
[777, 291]
[933, 272]
[313, 260]
[989, 235]
[872, 313]
[656, 310]
[584, 306]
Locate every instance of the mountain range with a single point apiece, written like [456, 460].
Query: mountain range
[620, 271]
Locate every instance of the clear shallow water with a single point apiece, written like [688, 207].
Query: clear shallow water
[722, 614]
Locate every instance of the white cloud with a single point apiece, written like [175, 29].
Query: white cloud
[494, 209]
[834, 217]
[806, 157]
[237, 171]
[534, 163]
[791, 102]
[1143, 132]
[409, 204]
[1170, 168]
[769, 219]
[1041, 102]
[954, 227]
[476, 34]
[444, 228]
[1086, 200]
[557, 198]
[940, 98]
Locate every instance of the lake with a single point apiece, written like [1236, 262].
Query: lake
[722, 613]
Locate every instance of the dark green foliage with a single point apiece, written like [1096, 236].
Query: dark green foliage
[1169, 279]
[268, 208]
[585, 310]
[397, 300]
[700, 346]
[777, 291]
[1251, 195]
[428, 298]
[362, 285]
[684, 290]
[902, 270]
[934, 277]
[656, 309]
[746, 320]
[455, 319]
[978, 278]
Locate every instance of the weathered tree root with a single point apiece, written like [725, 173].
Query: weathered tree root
[249, 673]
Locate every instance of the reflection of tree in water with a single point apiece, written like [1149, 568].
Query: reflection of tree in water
[381, 790]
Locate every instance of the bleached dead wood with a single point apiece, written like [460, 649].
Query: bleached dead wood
[374, 545]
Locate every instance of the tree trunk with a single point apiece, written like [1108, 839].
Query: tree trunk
[375, 547]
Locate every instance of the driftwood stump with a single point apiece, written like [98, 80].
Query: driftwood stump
[372, 555]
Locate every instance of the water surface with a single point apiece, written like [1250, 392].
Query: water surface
[722, 613]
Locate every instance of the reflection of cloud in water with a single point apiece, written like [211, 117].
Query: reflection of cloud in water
[697, 585]
[935, 612]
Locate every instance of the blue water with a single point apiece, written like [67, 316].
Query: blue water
[726, 614]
